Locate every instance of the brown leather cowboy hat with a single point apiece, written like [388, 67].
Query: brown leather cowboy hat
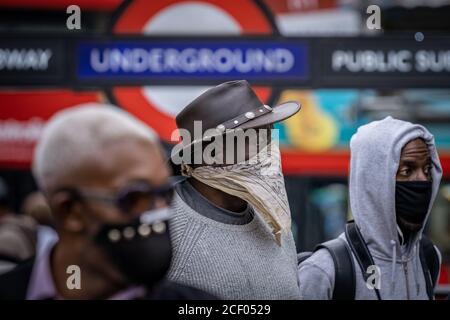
[230, 105]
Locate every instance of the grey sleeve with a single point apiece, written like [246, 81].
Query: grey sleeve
[316, 277]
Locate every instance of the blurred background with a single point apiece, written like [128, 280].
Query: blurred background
[343, 73]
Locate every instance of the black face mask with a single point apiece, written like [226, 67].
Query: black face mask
[141, 250]
[412, 199]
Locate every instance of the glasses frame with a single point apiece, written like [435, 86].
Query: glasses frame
[118, 199]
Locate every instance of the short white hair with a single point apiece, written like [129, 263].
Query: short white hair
[76, 135]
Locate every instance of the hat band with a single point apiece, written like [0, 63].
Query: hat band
[243, 118]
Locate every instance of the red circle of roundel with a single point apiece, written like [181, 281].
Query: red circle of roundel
[247, 14]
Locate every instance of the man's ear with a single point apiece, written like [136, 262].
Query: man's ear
[68, 213]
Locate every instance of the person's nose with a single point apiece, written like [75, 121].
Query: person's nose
[420, 175]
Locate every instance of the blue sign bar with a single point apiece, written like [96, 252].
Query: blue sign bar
[156, 59]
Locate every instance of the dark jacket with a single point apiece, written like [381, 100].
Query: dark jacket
[14, 286]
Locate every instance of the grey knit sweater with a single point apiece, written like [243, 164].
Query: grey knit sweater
[231, 261]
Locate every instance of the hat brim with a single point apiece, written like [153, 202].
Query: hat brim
[279, 113]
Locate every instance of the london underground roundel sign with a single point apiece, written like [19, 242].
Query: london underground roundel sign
[157, 105]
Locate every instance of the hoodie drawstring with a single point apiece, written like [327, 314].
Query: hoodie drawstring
[415, 266]
[394, 261]
[416, 269]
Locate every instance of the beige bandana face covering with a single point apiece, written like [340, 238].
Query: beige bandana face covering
[258, 181]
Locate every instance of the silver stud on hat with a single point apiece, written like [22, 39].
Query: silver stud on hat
[144, 230]
[159, 227]
[235, 122]
[128, 233]
[249, 115]
[268, 107]
[221, 127]
[114, 235]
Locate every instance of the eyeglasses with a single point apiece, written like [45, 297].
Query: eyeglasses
[134, 198]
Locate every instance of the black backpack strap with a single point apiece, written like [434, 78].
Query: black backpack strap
[14, 283]
[344, 270]
[360, 250]
[430, 264]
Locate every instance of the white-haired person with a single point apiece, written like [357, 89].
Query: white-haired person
[107, 184]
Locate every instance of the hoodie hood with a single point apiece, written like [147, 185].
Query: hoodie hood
[375, 155]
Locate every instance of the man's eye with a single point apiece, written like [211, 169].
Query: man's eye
[405, 172]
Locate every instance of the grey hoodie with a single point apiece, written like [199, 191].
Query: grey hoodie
[375, 154]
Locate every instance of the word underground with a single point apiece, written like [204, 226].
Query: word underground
[191, 60]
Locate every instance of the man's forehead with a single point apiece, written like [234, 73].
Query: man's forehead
[415, 148]
[122, 162]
